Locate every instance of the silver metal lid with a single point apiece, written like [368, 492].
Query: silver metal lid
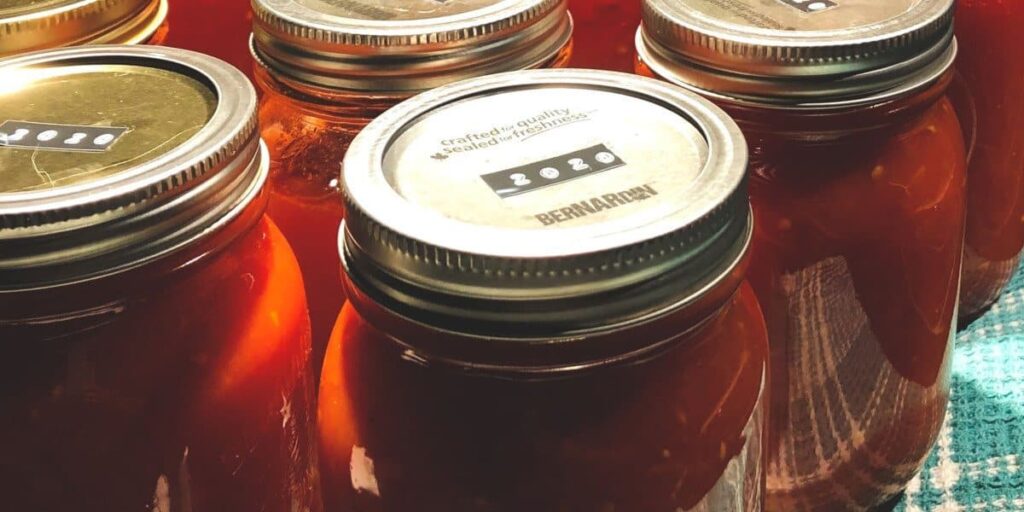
[115, 155]
[547, 201]
[829, 52]
[404, 46]
[32, 25]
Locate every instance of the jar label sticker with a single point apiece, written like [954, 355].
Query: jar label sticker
[59, 137]
[552, 171]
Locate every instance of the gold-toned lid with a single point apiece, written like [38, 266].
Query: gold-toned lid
[113, 155]
[32, 25]
[404, 46]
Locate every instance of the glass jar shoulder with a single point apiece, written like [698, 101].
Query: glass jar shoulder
[308, 135]
[622, 435]
[161, 35]
[175, 289]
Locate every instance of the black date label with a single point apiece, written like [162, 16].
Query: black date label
[59, 137]
[559, 169]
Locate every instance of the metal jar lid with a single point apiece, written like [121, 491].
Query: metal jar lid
[31, 25]
[404, 46]
[112, 156]
[798, 52]
[546, 201]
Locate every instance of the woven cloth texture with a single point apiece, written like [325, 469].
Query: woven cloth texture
[976, 464]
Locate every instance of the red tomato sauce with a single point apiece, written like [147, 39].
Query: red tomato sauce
[184, 382]
[993, 107]
[656, 435]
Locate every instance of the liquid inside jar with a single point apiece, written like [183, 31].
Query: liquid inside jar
[990, 100]
[309, 119]
[523, 367]
[605, 31]
[859, 196]
[220, 28]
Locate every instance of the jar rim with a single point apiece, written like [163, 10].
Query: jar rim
[76, 22]
[865, 62]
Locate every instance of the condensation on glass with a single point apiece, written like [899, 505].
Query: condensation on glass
[327, 68]
[858, 189]
[991, 108]
[32, 25]
[547, 304]
[154, 338]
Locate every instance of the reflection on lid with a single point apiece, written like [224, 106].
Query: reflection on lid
[51, 119]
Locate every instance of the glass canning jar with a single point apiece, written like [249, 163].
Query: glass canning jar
[603, 31]
[547, 306]
[858, 188]
[992, 67]
[154, 338]
[328, 69]
[215, 27]
[33, 25]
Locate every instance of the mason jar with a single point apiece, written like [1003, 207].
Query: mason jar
[547, 306]
[327, 69]
[858, 186]
[155, 338]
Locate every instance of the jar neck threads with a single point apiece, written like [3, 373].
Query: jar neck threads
[546, 357]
